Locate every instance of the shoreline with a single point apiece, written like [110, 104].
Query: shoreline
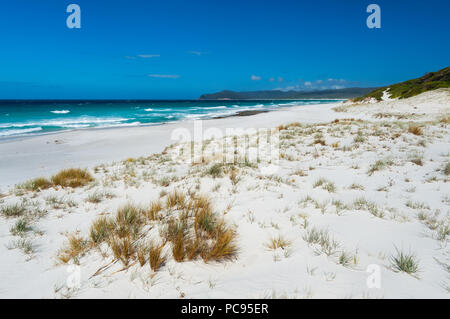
[237, 114]
[213, 117]
[45, 154]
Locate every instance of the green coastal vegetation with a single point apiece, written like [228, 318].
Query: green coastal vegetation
[428, 82]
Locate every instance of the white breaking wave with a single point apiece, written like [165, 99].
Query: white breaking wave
[148, 110]
[215, 107]
[19, 132]
[119, 125]
[60, 111]
[62, 123]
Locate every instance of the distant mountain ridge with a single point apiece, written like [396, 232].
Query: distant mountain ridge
[346, 93]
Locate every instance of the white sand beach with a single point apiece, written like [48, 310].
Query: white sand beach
[358, 187]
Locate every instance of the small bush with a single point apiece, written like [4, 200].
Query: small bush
[72, 177]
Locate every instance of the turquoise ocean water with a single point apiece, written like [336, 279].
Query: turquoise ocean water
[25, 118]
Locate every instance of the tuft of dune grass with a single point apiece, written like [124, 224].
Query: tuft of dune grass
[36, 184]
[75, 247]
[414, 129]
[72, 177]
[15, 210]
[156, 258]
[405, 262]
[100, 230]
[188, 224]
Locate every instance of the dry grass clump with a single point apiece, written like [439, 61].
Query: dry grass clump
[235, 178]
[36, 184]
[320, 141]
[122, 248]
[175, 199]
[72, 177]
[223, 245]
[278, 242]
[414, 129]
[156, 258]
[101, 229]
[189, 224]
[198, 232]
[129, 221]
[74, 249]
[154, 210]
[14, 210]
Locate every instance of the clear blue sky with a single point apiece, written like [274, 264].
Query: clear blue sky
[181, 49]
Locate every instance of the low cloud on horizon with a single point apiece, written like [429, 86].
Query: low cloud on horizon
[198, 53]
[327, 84]
[164, 76]
[142, 56]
